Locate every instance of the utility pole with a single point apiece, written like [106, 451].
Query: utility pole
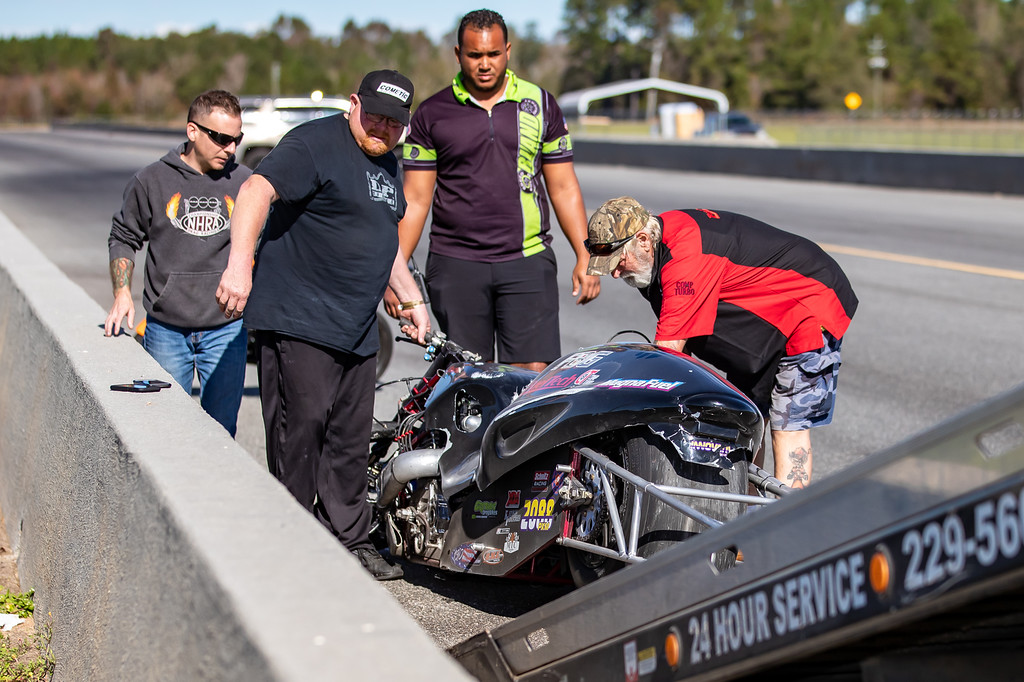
[652, 95]
[877, 63]
[275, 79]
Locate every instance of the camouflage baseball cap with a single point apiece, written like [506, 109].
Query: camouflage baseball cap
[610, 229]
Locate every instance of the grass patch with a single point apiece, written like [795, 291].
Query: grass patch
[925, 134]
[24, 658]
[18, 604]
[28, 659]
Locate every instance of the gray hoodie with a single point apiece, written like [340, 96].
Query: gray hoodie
[185, 216]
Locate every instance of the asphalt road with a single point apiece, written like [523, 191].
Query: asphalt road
[940, 277]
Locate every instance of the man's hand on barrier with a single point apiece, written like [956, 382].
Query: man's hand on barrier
[123, 306]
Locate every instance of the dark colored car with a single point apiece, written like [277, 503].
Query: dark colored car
[738, 123]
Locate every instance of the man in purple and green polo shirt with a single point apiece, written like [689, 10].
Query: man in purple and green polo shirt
[477, 153]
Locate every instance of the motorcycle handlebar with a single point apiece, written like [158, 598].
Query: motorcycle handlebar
[438, 343]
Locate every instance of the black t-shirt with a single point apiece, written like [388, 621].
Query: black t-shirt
[326, 252]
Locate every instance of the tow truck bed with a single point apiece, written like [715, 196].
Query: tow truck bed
[908, 565]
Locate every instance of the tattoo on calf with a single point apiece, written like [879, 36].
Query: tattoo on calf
[798, 477]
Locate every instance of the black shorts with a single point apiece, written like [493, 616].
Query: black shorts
[512, 303]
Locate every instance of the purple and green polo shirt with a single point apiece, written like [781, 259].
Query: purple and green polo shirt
[490, 204]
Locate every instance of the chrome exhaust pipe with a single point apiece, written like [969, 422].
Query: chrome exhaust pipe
[405, 467]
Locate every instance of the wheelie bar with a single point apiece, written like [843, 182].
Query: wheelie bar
[765, 482]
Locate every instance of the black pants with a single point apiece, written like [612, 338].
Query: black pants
[512, 302]
[318, 412]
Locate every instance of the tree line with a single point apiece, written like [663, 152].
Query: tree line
[764, 54]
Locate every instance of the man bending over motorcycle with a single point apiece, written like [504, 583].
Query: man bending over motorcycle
[766, 307]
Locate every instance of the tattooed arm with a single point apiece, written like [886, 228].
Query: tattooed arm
[792, 452]
[121, 278]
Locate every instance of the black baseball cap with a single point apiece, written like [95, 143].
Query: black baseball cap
[387, 93]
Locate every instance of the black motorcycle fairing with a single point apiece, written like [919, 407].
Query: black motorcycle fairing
[467, 396]
[497, 529]
[610, 387]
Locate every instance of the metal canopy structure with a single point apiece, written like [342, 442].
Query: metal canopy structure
[578, 101]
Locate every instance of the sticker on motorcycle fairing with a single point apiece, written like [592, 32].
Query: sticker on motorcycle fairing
[649, 384]
[557, 381]
[557, 477]
[585, 359]
[587, 378]
[540, 480]
[513, 517]
[513, 499]
[492, 556]
[538, 515]
[512, 543]
[463, 556]
[714, 446]
[485, 509]
[503, 530]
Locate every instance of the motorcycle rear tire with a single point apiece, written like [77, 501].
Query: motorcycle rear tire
[662, 527]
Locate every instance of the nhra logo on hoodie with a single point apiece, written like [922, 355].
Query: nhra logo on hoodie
[203, 215]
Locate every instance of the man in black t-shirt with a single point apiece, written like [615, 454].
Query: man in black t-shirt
[329, 249]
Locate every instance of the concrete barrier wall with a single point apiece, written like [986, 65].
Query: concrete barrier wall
[924, 170]
[158, 547]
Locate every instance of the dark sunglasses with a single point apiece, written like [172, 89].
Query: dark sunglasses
[605, 249]
[223, 139]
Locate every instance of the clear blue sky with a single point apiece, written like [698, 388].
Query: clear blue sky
[326, 17]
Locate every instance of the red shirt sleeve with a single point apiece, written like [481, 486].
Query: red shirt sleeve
[691, 282]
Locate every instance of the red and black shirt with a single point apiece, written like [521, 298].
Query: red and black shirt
[744, 293]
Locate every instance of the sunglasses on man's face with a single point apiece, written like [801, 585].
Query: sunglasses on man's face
[605, 249]
[222, 139]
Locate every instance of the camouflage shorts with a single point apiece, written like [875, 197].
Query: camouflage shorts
[805, 388]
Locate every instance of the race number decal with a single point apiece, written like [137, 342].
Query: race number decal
[538, 514]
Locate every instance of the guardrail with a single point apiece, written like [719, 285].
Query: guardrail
[996, 173]
[961, 172]
[158, 547]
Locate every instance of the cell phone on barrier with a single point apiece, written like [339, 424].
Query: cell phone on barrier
[141, 386]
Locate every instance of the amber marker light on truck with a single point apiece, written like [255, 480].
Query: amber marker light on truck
[673, 648]
[880, 570]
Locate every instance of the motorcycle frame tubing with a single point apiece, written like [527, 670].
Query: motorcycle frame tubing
[627, 544]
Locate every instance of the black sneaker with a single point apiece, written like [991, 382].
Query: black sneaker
[377, 565]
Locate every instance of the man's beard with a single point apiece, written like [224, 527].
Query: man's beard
[373, 146]
[640, 279]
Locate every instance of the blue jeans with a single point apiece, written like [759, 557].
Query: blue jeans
[217, 354]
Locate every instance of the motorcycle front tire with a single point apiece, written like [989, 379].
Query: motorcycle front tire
[662, 527]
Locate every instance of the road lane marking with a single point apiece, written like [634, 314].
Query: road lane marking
[927, 262]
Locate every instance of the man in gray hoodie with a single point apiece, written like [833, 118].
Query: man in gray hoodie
[182, 206]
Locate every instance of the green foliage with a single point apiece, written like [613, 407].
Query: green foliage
[17, 604]
[28, 660]
[24, 659]
[806, 54]
[764, 54]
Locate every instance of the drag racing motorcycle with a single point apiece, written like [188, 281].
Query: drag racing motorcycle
[611, 454]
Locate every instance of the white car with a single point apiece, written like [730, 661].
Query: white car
[265, 120]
